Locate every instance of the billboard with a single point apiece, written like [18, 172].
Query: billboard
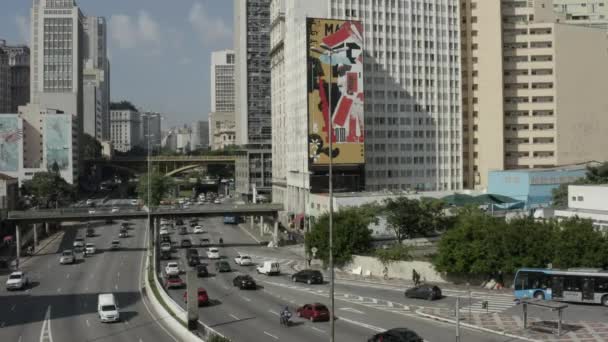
[11, 134]
[58, 144]
[335, 85]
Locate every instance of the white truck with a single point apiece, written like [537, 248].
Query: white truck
[269, 268]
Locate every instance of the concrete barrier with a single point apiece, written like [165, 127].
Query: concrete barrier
[402, 269]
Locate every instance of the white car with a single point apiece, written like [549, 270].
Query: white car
[186, 205]
[91, 211]
[89, 249]
[78, 242]
[115, 210]
[217, 201]
[213, 253]
[198, 230]
[164, 231]
[17, 281]
[134, 202]
[67, 257]
[243, 260]
[165, 247]
[172, 268]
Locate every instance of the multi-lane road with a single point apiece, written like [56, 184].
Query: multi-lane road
[61, 304]
[252, 315]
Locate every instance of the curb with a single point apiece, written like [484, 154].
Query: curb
[47, 242]
[475, 327]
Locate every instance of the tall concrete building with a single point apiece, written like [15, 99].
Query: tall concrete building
[222, 81]
[93, 99]
[14, 76]
[533, 99]
[125, 129]
[200, 135]
[96, 75]
[151, 130]
[277, 96]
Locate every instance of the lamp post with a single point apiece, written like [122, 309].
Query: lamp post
[329, 51]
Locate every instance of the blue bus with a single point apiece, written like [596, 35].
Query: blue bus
[577, 285]
[231, 219]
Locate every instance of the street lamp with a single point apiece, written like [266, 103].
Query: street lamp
[329, 52]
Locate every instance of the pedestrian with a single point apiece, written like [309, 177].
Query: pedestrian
[415, 277]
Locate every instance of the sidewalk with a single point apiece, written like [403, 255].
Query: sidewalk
[512, 326]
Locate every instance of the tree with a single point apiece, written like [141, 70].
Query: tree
[91, 148]
[410, 218]
[578, 244]
[393, 254]
[159, 186]
[48, 188]
[351, 235]
[122, 105]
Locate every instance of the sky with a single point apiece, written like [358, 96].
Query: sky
[159, 50]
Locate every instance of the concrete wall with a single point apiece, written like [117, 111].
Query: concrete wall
[588, 197]
[402, 269]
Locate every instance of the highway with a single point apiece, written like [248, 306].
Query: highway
[61, 304]
[252, 315]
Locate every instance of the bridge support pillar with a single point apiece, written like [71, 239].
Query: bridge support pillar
[275, 235]
[261, 225]
[46, 228]
[18, 241]
[35, 235]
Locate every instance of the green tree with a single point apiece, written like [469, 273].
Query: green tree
[159, 186]
[122, 105]
[410, 218]
[49, 189]
[91, 148]
[393, 254]
[578, 244]
[351, 235]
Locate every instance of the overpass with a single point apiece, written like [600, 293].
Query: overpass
[169, 165]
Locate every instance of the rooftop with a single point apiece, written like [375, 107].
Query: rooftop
[6, 177]
[571, 167]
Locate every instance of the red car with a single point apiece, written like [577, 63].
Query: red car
[314, 312]
[174, 281]
[203, 297]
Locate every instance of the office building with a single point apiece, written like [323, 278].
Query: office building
[277, 96]
[200, 135]
[533, 99]
[96, 71]
[584, 12]
[92, 96]
[222, 131]
[125, 129]
[9, 193]
[252, 64]
[151, 130]
[14, 76]
[222, 82]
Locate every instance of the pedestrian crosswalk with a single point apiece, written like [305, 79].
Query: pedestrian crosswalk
[285, 263]
[488, 303]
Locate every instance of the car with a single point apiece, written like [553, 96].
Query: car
[123, 233]
[217, 201]
[164, 231]
[90, 232]
[174, 281]
[222, 266]
[194, 260]
[67, 257]
[183, 230]
[204, 241]
[165, 247]
[107, 308]
[165, 238]
[172, 268]
[191, 252]
[89, 249]
[213, 253]
[424, 291]
[114, 210]
[202, 296]
[244, 281]
[92, 211]
[243, 260]
[269, 268]
[78, 242]
[134, 202]
[314, 312]
[115, 244]
[17, 281]
[198, 230]
[89, 202]
[186, 205]
[396, 335]
[186, 243]
[308, 276]
[179, 222]
[202, 271]
[164, 255]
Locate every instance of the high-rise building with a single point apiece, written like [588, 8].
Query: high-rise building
[222, 131]
[92, 101]
[125, 129]
[151, 130]
[14, 76]
[200, 135]
[222, 81]
[277, 96]
[530, 97]
[96, 72]
[253, 119]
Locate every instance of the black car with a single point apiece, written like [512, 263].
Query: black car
[165, 255]
[179, 222]
[424, 291]
[396, 335]
[165, 238]
[123, 233]
[222, 266]
[201, 271]
[204, 241]
[191, 252]
[308, 276]
[193, 261]
[90, 232]
[186, 243]
[183, 230]
[244, 282]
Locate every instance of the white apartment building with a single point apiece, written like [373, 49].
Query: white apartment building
[222, 131]
[535, 98]
[222, 81]
[412, 95]
[125, 129]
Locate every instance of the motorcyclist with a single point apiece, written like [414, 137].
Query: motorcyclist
[221, 241]
[285, 316]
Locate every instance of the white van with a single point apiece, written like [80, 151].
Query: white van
[269, 268]
[107, 308]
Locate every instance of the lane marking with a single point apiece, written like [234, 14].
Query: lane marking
[46, 334]
[116, 286]
[273, 312]
[364, 325]
[59, 290]
[319, 330]
[118, 274]
[245, 298]
[87, 322]
[67, 276]
[233, 316]
[13, 307]
[353, 310]
[271, 335]
[20, 337]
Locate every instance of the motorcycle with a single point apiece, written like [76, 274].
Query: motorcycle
[285, 318]
[221, 241]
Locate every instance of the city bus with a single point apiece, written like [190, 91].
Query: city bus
[577, 285]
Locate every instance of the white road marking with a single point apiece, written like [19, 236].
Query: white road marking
[67, 276]
[20, 337]
[86, 288]
[271, 335]
[233, 316]
[364, 325]
[116, 287]
[353, 310]
[87, 322]
[13, 307]
[45, 333]
[317, 329]
[59, 290]
[118, 274]
[273, 312]
[246, 299]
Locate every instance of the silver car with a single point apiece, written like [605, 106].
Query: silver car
[67, 257]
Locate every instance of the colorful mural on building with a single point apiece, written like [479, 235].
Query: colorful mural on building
[58, 141]
[335, 74]
[10, 143]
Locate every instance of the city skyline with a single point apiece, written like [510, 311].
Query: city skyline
[195, 28]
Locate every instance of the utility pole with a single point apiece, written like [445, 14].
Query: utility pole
[457, 319]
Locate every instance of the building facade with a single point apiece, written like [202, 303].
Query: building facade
[523, 103]
[222, 131]
[587, 202]
[151, 130]
[96, 73]
[14, 76]
[222, 81]
[9, 192]
[585, 12]
[125, 129]
[200, 135]
[5, 81]
[93, 99]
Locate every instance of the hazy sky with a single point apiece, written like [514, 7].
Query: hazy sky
[159, 49]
